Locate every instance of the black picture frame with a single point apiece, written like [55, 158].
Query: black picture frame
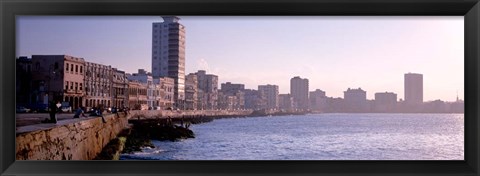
[470, 9]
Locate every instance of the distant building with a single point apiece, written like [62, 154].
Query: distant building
[230, 88]
[191, 91]
[270, 92]
[254, 100]
[137, 98]
[299, 92]
[318, 101]
[227, 102]
[355, 100]
[152, 90]
[286, 102]
[336, 105]
[436, 106]
[166, 93]
[236, 90]
[413, 88]
[58, 78]
[208, 90]
[168, 54]
[385, 102]
[120, 88]
[456, 107]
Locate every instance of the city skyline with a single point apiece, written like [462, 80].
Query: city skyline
[322, 74]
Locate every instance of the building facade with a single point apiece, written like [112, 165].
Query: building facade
[270, 92]
[208, 90]
[168, 54]
[191, 92]
[254, 100]
[58, 78]
[318, 101]
[286, 102]
[237, 90]
[385, 102]
[23, 82]
[98, 85]
[355, 100]
[413, 88]
[120, 88]
[299, 92]
[167, 86]
[146, 79]
[137, 95]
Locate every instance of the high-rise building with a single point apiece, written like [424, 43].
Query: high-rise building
[299, 92]
[168, 54]
[270, 92]
[413, 88]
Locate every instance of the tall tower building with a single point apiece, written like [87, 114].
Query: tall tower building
[413, 88]
[168, 54]
[299, 92]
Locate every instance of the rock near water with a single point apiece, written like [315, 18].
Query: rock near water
[143, 131]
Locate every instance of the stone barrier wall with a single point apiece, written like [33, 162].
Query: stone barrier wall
[83, 139]
[152, 114]
[79, 140]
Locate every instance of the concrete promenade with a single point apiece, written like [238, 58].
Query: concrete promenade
[28, 119]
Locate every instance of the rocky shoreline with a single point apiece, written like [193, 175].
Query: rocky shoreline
[140, 135]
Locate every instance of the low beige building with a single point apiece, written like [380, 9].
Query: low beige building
[58, 78]
[166, 92]
[137, 95]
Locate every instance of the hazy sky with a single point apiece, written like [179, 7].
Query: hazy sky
[334, 53]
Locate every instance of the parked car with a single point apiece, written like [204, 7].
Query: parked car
[66, 109]
[22, 109]
[39, 108]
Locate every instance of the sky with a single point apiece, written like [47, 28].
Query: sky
[333, 52]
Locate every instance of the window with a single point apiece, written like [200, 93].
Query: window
[71, 68]
[76, 68]
[66, 85]
[76, 86]
[81, 69]
[71, 85]
[66, 67]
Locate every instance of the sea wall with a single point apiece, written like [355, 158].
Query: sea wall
[153, 114]
[81, 139]
[84, 139]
